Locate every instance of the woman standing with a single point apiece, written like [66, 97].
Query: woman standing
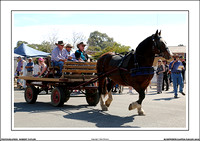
[160, 70]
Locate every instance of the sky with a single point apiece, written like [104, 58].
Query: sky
[126, 27]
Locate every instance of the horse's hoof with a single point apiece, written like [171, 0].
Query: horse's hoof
[133, 106]
[141, 113]
[104, 108]
[108, 102]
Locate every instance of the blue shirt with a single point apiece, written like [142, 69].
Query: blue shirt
[58, 54]
[30, 64]
[19, 65]
[175, 66]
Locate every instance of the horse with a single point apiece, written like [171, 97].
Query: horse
[134, 69]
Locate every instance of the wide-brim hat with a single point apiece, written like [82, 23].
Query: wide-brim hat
[30, 58]
[81, 43]
[60, 43]
[69, 45]
[175, 55]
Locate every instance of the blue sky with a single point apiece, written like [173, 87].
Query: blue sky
[99, 18]
[126, 27]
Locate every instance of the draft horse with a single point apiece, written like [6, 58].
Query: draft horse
[134, 69]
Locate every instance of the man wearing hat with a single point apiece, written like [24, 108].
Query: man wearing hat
[29, 67]
[59, 56]
[70, 54]
[80, 54]
[176, 68]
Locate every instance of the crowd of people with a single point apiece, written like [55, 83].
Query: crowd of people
[59, 55]
[174, 72]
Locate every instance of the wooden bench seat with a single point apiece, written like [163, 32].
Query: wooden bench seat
[79, 67]
[79, 70]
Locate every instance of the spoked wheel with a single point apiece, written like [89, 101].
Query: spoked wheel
[30, 94]
[92, 97]
[58, 97]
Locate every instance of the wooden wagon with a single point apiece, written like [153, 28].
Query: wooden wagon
[75, 76]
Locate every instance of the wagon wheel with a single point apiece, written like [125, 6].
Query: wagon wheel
[92, 97]
[67, 94]
[58, 97]
[30, 94]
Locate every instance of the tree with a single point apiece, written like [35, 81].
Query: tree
[116, 48]
[21, 42]
[92, 48]
[99, 39]
[76, 38]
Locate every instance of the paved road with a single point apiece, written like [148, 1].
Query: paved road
[163, 112]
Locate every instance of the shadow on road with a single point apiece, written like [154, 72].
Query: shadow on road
[42, 107]
[165, 99]
[78, 112]
[102, 119]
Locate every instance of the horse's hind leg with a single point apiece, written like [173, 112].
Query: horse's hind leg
[103, 106]
[109, 88]
[102, 91]
[138, 104]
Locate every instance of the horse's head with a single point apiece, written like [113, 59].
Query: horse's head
[159, 46]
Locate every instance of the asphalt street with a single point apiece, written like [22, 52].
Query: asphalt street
[162, 111]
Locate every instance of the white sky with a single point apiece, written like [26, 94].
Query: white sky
[128, 28]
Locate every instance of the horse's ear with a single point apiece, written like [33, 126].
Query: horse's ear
[159, 33]
[156, 33]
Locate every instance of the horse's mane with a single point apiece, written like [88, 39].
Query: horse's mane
[143, 44]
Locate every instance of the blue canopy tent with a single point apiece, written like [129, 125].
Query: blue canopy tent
[27, 51]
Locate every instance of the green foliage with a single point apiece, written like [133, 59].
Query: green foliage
[21, 42]
[116, 48]
[44, 46]
[93, 48]
[99, 39]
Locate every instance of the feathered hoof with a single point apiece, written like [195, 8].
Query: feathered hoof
[141, 113]
[133, 106]
[108, 102]
[104, 108]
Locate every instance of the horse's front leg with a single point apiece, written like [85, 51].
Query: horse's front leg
[138, 104]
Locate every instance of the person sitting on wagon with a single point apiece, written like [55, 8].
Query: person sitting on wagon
[70, 54]
[80, 54]
[59, 56]
[43, 67]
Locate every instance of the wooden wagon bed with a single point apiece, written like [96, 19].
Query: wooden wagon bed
[75, 76]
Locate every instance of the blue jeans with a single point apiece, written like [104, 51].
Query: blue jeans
[177, 79]
[59, 64]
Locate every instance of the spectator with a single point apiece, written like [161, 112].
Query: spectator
[130, 90]
[43, 67]
[29, 67]
[19, 69]
[176, 68]
[80, 54]
[184, 64]
[165, 76]
[59, 56]
[160, 70]
[70, 54]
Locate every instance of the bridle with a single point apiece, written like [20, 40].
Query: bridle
[156, 45]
